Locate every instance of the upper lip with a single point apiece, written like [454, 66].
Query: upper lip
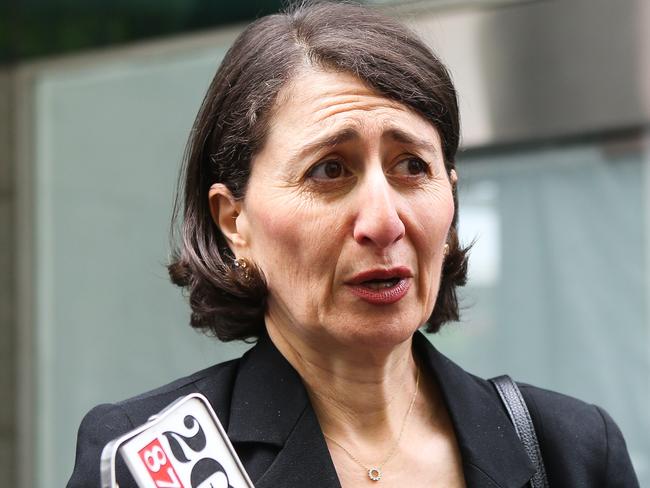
[380, 274]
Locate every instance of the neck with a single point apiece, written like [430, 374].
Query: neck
[360, 396]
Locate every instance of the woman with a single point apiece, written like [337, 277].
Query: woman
[319, 217]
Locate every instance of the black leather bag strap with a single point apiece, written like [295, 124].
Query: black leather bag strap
[520, 417]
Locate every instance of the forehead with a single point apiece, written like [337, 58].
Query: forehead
[316, 100]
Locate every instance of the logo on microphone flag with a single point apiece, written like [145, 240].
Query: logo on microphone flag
[184, 446]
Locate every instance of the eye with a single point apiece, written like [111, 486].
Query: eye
[411, 166]
[327, 170]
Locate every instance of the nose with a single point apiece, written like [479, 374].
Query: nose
[378, 222]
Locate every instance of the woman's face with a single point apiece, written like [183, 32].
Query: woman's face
[346, 212]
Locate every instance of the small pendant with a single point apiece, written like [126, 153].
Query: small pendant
[374, 474]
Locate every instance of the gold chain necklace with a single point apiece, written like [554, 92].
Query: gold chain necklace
[374, 472]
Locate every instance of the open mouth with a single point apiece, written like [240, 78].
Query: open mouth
[380, 284]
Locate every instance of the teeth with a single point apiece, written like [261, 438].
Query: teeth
[379, 284]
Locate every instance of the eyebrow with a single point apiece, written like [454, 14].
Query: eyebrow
[349, 134]
[402, 137]
[341, 137]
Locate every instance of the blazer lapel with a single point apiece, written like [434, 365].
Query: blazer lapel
[493, 455]
[304, 460]
[270, 406]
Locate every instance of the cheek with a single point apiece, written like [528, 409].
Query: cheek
[434, 214]
[276, 243]
[294, 244]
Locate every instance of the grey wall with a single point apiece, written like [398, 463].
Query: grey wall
[8, 356]
[545, 69]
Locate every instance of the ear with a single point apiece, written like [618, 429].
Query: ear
[226, 212]
[453, 177]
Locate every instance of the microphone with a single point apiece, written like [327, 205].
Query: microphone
[183, 446]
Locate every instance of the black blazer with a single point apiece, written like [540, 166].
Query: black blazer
[262, 403]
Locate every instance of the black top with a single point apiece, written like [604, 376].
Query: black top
[264, 407]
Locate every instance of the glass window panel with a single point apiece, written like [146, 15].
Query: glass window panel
[110, 138]
[558, 297]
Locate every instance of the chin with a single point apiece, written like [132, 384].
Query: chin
[382, 333]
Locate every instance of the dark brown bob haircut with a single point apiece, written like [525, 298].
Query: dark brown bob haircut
[232, 124]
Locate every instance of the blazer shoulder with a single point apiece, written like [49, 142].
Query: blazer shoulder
[572, 430]
[557, 410]
[106, 422]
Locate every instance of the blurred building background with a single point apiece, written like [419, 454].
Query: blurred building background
[97, 100]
